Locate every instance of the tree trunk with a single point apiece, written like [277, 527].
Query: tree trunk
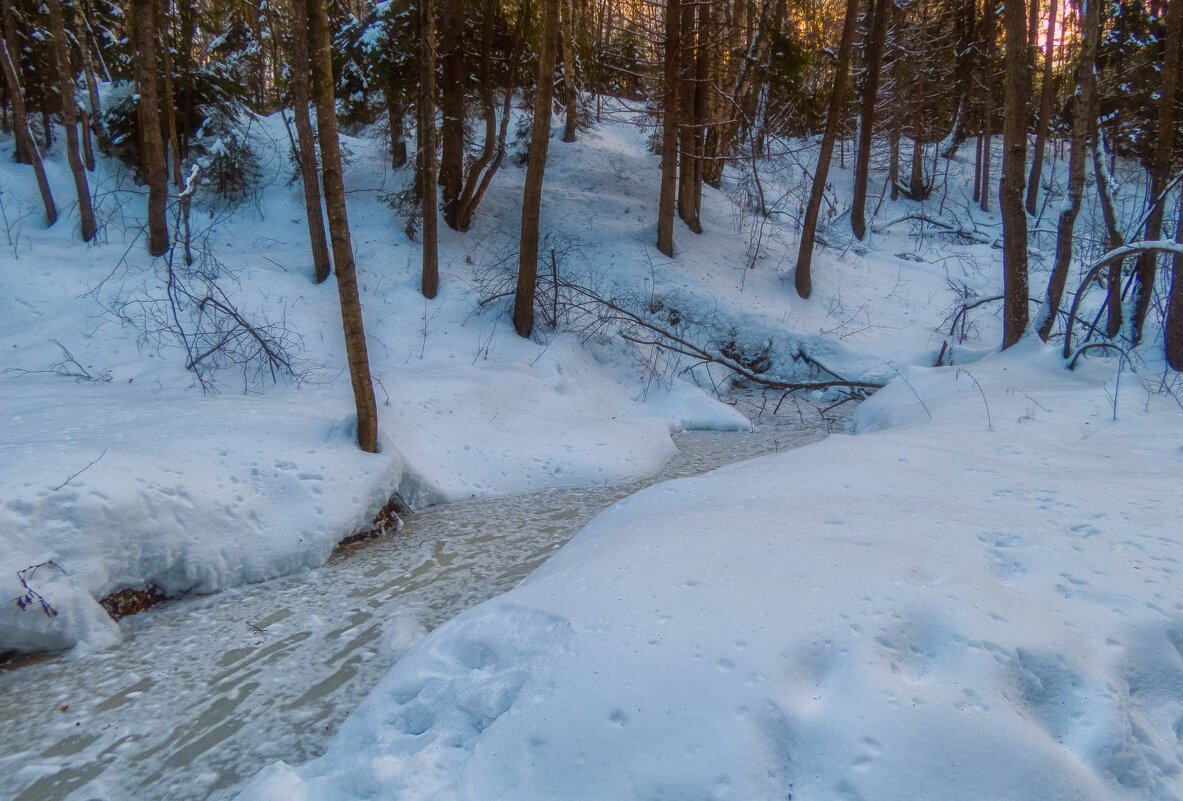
[1173, 327]
[1045, 113]
[687, 119]
[307, 142]
[862, 165]
[1113, 239]
[24, 152]
[429, 206]
[990, 11]
[1083, 112]
[70, 119]
[702, 113]
[187, 14]
[170, 114]
[1160, 173]
[451, 174]
[523, 304]
[965, 26]
[669, 131]
[916, 187]
[398, 142]
[1014, 163]
[330, 150]
[572, 94]
[20, 126]
[821, 172]
[481, 173]
[93, 121]
[148, 118]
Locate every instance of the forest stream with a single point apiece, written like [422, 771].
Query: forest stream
[205, 691]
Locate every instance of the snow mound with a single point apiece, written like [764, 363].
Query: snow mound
[905, 614]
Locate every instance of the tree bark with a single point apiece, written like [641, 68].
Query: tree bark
[669, 132]
[330, 150]
[986, 141]
[93, 121]
[1014, 163]
[803, 275]
[398, 142]
[23, 152]
[481, 173]
[1160, 171]
[572, 94]
[1083, 112]
[148, 117]
[1173, 327]
[1045, 113]
[523, 305]
[70, 119]
[451, 169]
[687, 120]
[862, 165]
[321, 265]
[170, 114]
[20, 126]
[429, 205]
[965, 26]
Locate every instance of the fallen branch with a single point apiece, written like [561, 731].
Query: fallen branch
[83, 470]
[30, 595]
[946, 227]
[1116, 255]
[661, 337]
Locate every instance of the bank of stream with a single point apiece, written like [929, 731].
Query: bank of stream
[205, 691]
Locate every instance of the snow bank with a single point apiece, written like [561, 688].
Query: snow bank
[980, 597]
[195, 492]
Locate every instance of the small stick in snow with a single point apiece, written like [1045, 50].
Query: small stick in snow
[83, 470]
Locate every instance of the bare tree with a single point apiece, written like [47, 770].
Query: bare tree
[1045, 110]
[484, 167]
[451, 80]
[70, 119]
[821, 172]
[669, 130]
[429, 207]
[986, 73]
[330, 152]
[1014, 163]
[878, 34]
[1083, 114]
[148, 119]
[571, 94]
[1173, 326]
[306, 144]
[523, 305]
[20, 122]
[1160, 169]
[92, 118]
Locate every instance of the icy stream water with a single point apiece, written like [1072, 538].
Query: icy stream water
[205, 691]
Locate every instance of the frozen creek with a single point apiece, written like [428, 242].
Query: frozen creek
[205, 691]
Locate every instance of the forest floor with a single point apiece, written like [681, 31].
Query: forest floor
[975, 591]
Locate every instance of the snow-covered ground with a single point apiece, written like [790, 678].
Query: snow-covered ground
[189, 491]
[984, 604]
[970, 597]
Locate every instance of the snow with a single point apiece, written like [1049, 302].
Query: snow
[971, 595]
[200, 492]
[975, 594]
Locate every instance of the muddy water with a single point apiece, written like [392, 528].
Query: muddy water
[205, 691]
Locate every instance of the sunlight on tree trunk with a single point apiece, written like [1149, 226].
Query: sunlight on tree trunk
[330, 151]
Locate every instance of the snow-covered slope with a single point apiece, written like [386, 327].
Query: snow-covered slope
[984, 604]
[188, 490]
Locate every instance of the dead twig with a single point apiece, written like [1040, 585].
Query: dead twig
[73, 476]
